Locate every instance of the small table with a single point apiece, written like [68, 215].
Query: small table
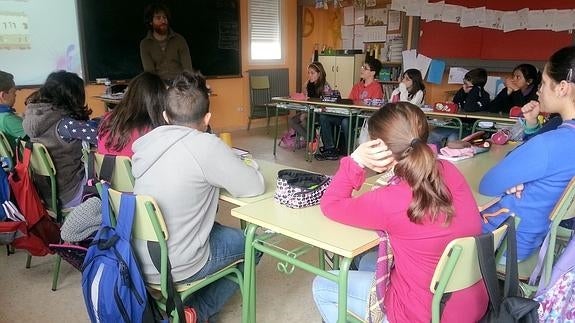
[109, 100]
[309, 226]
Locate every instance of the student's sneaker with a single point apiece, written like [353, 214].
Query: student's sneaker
[331, 154]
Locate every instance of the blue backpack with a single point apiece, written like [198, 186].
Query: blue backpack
[113, 286]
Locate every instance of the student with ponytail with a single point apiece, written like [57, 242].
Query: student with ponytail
[426, 204]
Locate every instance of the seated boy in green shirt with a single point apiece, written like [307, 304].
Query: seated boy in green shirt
[10, 123]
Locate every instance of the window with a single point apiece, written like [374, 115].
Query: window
[265, 35]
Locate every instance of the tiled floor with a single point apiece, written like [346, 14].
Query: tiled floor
[26, 294]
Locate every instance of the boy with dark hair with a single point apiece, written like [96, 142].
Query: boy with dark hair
[472, 96]
[10, 123]
[367, 88]
[184, 168]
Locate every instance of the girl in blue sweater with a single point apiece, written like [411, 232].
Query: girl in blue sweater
[533, 176]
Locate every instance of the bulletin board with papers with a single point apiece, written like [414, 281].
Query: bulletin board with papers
[507, 30]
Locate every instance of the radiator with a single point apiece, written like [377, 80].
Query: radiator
[279, 80]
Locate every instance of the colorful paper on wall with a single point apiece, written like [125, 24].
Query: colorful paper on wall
[436, 70]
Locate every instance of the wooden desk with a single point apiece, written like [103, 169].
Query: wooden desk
[474, 168]
[309, 226]
[109, 101]
[269, 171]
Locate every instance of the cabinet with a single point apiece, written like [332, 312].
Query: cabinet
[342, 71]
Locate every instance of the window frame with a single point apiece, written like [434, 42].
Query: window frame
[281, 33]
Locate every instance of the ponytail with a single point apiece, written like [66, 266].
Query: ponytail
[419, 168]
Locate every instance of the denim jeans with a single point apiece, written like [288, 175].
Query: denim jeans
[438, 135]
[327, 123]
[226, 247]
[359, 285]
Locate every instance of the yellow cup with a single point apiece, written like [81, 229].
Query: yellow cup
[227, 138]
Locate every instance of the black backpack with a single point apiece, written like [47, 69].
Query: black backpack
[511, 307]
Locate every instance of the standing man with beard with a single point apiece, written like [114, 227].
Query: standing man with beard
[163, 51]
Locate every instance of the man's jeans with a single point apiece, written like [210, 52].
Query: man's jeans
[226, 247]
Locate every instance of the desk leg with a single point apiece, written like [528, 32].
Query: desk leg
[249, 295]
[310, 133]
[342, 290]
[276, 133]
[349, 134]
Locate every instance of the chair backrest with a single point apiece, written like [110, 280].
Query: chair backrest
[259, 82]
[40, 161]
[149, 225]
[41, 164]
[458, 267]
[564, 209]
[6, 150]
[122, 178]
[260, 90]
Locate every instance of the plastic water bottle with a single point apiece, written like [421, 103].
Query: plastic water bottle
[108, 85]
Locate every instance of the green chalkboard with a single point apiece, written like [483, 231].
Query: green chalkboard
[111, 32]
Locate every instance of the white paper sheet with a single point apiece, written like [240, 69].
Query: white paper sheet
[480, 16]
[347, 32]
[456, 75]
[523, 14]
[511, 21]
[358, 32]
[348, 16]
[423, 63]
[493, 19]
[467, 17]
[359, 17]
[413, 7]
[394, 21]
[375, 34]
[399, 5]
[347, 43]
[537, 20]
[562, 20]
[409, 59]
[451, 13]
[358, 43]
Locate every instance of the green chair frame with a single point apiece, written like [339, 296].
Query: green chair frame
[458, 268]
[41, 164]
[261, 105]
[149, 225]
[558, 238]
[6, 151]
[122, 178]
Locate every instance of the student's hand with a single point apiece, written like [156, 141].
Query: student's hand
[402, 87]
[517, 190]
[530, 112]
[510, 85]
[374, 155]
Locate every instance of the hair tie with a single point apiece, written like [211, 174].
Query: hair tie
[570, 77]
[414, 142]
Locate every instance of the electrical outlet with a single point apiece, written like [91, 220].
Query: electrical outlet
[240, 109]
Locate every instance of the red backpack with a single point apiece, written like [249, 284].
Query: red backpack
[39, 229]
